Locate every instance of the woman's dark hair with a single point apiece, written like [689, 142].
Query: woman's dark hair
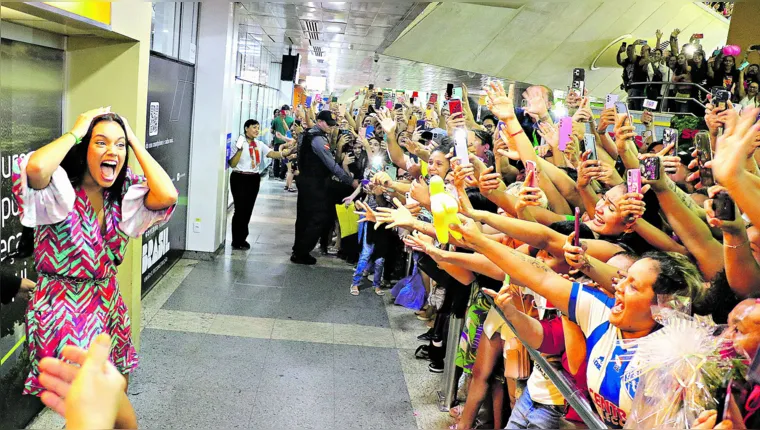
[567, 227]
[718, 299]
[446, 144]
[276, 111]
[75, 161]
[678, 276]
[491, 117]
[484, 137]
[480, 202]
[249, 123]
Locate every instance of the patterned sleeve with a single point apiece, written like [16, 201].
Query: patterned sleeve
[136, 219]
[49, 205]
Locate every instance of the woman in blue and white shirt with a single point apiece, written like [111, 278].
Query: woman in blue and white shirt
[604, 320]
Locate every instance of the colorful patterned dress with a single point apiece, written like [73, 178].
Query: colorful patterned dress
[77, 296]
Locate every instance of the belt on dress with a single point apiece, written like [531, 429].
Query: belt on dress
[71, 280]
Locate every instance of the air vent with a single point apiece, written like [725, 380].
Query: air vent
[312, 29]
[320, 60]
[317, 51]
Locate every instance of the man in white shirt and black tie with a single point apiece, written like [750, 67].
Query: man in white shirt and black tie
[251, 159]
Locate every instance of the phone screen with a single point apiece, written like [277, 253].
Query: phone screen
[370, 130]
[378, 102]
[704, 154]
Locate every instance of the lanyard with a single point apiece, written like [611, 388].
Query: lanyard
[254, 153]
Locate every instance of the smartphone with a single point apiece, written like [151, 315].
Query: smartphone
[622, 107]
[433, 98]
[650, 168]
[611, 100]
[409, 199]
[389, 104]
[530, 166]
[318, 97]
[698, 36]
[579, 81]
[371, 87]
[565, 130]
[421, 124]
[500, 126]
[577, 239]
[335, 99]
[455, 106]
[720, 97]
[391, 170]
[378, 102]
[369, 131]
[397, 106]
[704, 154]
[624, 45]
[724, 208]
[449, 91]
[589, 144]
[743, 66]
[670, 135]
[460, 147]
[308, 101]
[650, 104]
[634, 180]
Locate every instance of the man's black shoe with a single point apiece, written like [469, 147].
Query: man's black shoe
[306, 259]
[426, 337]
[244, 246]
[436, 366]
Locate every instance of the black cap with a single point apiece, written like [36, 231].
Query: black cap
[285, 107]
[328, 117]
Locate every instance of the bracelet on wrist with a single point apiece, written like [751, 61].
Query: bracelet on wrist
[77, 140]
[736, 246]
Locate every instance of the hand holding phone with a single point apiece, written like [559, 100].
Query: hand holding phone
[724, 207]
[579, 81]
[650, 168]
[460, 147]
[530, 166]
[565, 130]
[589, 145]
[455, 106]
[704, 154]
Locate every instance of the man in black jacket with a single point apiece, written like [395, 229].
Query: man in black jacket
[316, 166]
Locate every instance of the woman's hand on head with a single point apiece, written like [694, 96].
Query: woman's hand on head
[132, 139]
[84, 121]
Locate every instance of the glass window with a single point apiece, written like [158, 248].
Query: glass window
[165, 28]
[188, 31]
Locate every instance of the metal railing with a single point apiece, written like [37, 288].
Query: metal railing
[663, 100]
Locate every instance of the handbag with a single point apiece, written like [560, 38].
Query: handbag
[516, 356]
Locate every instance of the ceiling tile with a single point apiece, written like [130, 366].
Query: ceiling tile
[357, 30]
[334, 27]
[366, 6]
[336, 6]
[257, 8]
[268, 21]
[309, 13]
[394, 8]
[377, 32]
[383, 20]
[335, 16]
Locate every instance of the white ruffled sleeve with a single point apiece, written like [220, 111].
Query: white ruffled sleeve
[136, 219]
[49, 205]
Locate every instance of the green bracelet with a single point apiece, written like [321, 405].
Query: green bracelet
[77, 140]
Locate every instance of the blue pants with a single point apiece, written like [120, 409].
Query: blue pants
[530, 415]
[365, 258]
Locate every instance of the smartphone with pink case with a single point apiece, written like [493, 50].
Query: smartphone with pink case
[634, 180]
[565, 130]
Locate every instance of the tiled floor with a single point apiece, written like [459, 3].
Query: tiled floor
[251, 341]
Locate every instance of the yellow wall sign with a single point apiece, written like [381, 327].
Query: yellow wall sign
[99, 11]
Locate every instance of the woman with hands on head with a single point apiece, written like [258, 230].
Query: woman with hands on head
[81, 196]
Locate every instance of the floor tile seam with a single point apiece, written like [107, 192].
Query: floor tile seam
[176, 269]
[271, 332]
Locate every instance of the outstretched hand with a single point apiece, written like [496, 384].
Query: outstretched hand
[499, 102]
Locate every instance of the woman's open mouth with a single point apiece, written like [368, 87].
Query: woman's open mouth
[108, 170]
[598, 220]
[619, 307]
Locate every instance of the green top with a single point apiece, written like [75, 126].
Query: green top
[569, 217]
[279, 125]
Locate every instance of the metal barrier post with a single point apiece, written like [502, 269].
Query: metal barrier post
[448, 394]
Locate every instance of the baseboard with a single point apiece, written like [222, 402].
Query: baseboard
[205, 256]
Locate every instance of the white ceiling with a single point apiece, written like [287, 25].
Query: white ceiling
[339, 41]
[542, 41]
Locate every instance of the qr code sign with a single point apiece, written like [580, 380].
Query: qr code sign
[153, 125]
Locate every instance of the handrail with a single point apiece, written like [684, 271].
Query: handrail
[662, 106]
[574, 396]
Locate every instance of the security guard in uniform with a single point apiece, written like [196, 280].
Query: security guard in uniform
[316, 165]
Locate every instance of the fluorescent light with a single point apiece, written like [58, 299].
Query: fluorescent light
[333, 29]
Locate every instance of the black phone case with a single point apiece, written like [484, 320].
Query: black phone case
[724, 208]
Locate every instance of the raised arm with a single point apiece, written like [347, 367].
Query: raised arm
[523, 269]
[44, 161]
[162, 194]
